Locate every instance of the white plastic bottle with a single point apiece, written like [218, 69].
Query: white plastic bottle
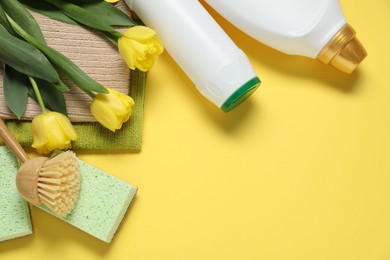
[219, 69]
[312, 28]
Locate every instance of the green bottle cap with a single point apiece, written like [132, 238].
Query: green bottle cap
[241, 94]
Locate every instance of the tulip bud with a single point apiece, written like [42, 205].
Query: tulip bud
[51, 131]
[112, 110]
[140, 47]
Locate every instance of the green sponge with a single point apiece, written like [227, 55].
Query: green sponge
[14, 212]
[102, 203]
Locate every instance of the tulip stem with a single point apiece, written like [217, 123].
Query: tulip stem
[37, 94]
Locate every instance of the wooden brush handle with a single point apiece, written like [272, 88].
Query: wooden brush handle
[13, 144]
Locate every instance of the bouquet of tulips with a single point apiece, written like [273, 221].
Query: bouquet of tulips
[32, 68]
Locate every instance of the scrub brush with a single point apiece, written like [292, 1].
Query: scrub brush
[54, 182]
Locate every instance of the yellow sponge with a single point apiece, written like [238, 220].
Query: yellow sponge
[14, 212]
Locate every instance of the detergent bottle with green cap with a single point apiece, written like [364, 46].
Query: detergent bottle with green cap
[218, 68]
[311, 28]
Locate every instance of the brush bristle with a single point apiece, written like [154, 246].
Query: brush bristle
[59, 183]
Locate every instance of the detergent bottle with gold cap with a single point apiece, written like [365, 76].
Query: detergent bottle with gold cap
[311, 28]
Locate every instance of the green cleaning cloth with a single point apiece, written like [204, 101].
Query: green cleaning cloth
[93, 136]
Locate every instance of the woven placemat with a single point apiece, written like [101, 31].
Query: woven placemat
[101, 60]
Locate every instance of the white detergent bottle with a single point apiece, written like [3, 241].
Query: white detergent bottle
[219, 69]
[311, 28]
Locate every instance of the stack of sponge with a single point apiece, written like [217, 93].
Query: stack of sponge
[101, 207]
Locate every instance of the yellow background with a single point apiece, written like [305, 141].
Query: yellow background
[301, 171]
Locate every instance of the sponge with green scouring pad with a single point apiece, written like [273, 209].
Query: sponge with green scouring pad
[14, 212]
[102, 203]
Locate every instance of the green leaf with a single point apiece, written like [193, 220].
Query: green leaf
[83, 1]
[83, 16]
[109, 13]
[21, 16]
[70, 70]
[48, 10]
[62, 63]
[111, 38]
[25, 58]
[51, 96]
[61, 86]
[4, 21]
[106, 11]
[15, 86]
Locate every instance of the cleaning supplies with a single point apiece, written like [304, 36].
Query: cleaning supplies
[312, 28]
[219, 69]
[101, 207]
[54, 182]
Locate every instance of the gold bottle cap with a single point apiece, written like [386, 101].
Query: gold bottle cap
[343, 51]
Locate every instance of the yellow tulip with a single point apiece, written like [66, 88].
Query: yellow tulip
[112, 110]
[111, 1]
[140, 47]
[51, 131]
